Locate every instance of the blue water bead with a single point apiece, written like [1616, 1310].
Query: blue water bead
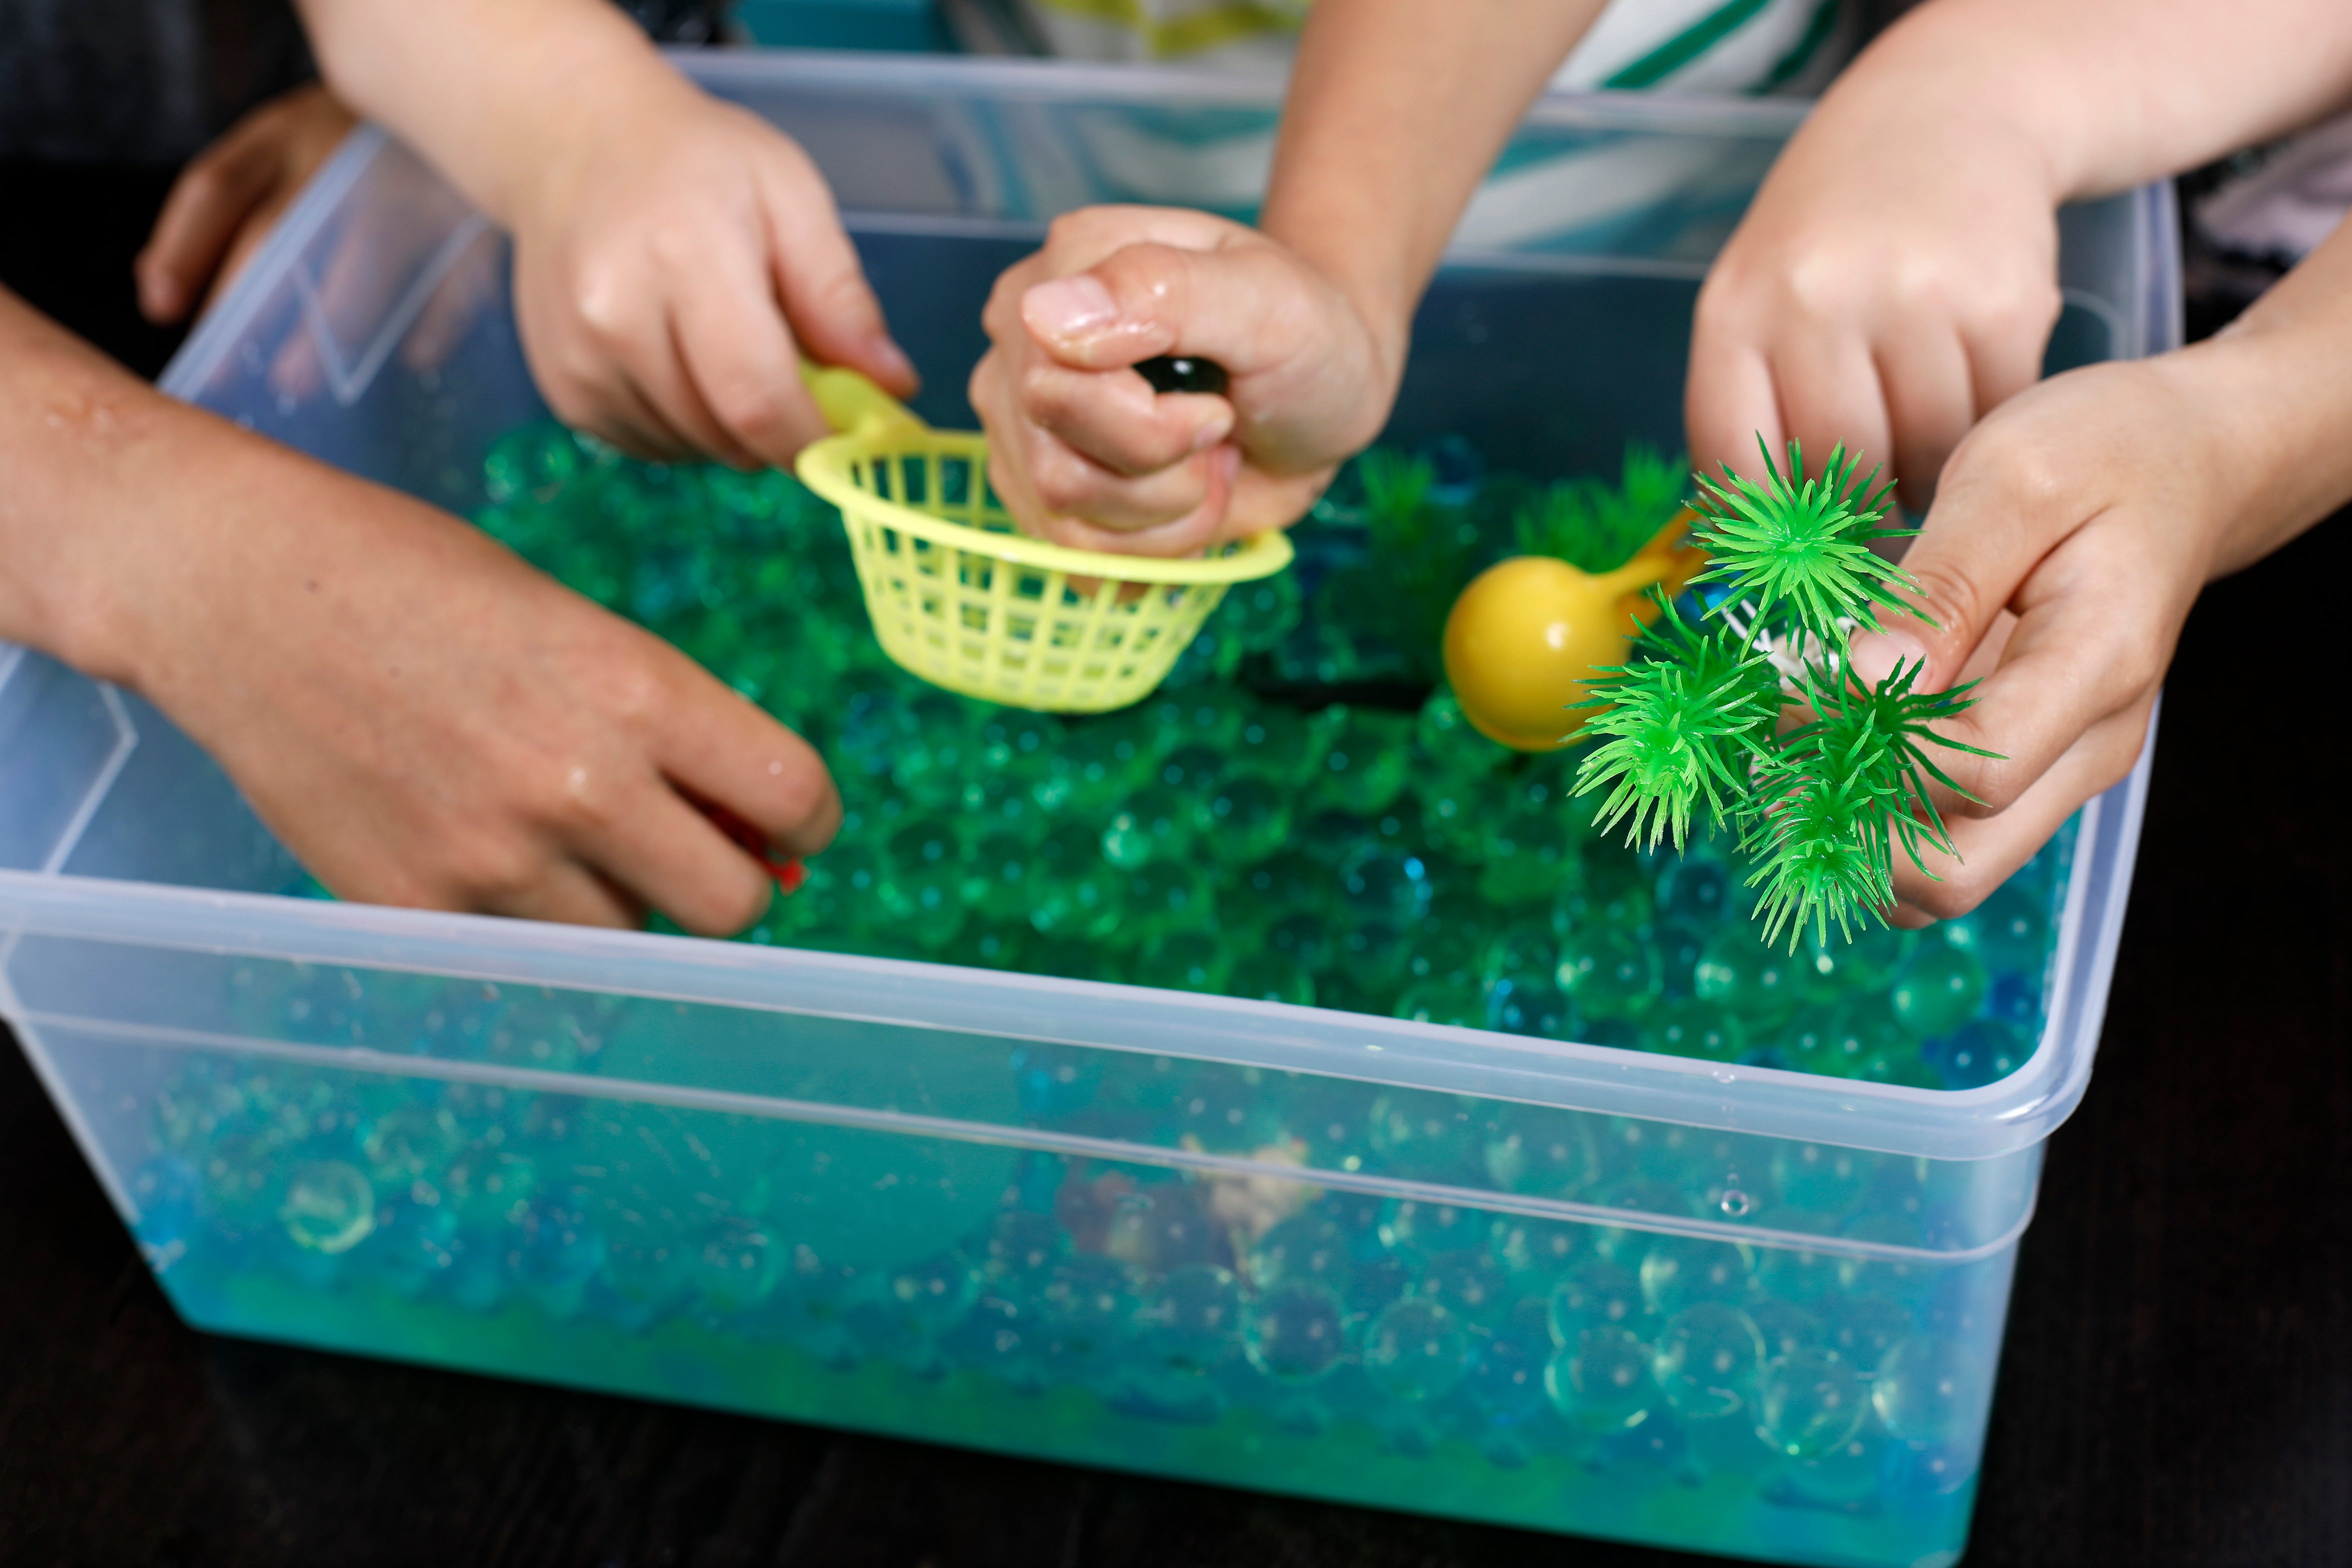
[904, 1312]
[488, 1185]
[1506, 1381]
[1383, 886]
[328, 1206]
[2016, 1000]
[1597, 1293]
[1308, 1248]
[1540, 1151]
[553, 1252]
[1244, 819]
[1023, 1248]
[1368, 761]
[1938, 990]
[1821, 1177]
[1294, 1334]
[877, 726]
[1155, 823]
[1195, 1316]
[1608, 973]
[1813, 1402]
[1863, 1327]
[1227, 1109]
[1696, 889]
[413, 1248]
[1471, 1283]
[1981, 1051]
[1708, 1359]
[1601, 1381]
[170, 1195]
[1428, 1135]
[1416, 1351]
[648, 1273]
[1679, 1271]
[737, 1264]
[408, 1142]
[1934, 1392]
[1530, 1006]
[926, 880]
[1053, 1082]
[1786, 1327]
[1267, 974]
[1679, 948]
[1080, 894]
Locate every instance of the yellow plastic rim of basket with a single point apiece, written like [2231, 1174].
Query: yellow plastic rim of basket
[961, 598]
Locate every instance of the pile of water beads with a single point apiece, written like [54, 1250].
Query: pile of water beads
[1760, 1342]
[687, 1251]
[1297, 815]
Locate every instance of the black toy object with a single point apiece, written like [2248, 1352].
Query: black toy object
[1183, 373]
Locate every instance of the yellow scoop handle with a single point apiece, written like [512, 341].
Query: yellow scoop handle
[850, 402]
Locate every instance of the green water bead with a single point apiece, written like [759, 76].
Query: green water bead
[1267, 974]
[999, 883]
[1830, 968]
[1156, 823]
[1368, 762]
[1163, 898]
[1305, 938]
[1261, 614]
[1080, 894]
[1243, 820]
[1455, 998]
[1209, 716]
[1608, 973]
[1813, 1402]
[1381, 887]
[1451, 743]
[1602, 1383]
[1938, 990]
[1709, 1361]
[1185, 960]
[2009, 931]
[924, 886]
[1102, 761]
[1698, 1029]
[1737, 970]
[1280, 746]
[1288, 883]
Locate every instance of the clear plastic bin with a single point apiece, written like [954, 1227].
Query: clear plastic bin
[1577, 1289]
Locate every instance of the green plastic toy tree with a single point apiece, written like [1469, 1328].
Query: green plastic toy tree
[1691, 729]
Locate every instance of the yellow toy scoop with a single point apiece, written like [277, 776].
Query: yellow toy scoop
[960, 598]
[1527, 633]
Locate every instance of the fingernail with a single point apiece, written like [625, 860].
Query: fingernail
[1068, 307]
[1876, 654]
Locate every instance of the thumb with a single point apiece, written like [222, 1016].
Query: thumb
[1980, 541]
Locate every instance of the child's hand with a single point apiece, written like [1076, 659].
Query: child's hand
[670, 268]
[226, 199]
[1894, 280]
[1086, 454]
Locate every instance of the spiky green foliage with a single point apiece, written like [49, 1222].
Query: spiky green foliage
[1683, 728]
[1692, 728]
[1596, 528]
[1820, 839]
[1879, 734]
[1797, 550]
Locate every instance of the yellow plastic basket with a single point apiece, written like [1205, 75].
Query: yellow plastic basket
[958, 596]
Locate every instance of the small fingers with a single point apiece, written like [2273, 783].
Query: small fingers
[740, 362]
[208, 204]
[821, 281]
[1116, 420]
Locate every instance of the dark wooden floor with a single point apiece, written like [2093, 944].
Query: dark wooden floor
[2177, 1387]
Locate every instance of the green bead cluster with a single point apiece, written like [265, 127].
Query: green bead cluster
[1240, 832]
